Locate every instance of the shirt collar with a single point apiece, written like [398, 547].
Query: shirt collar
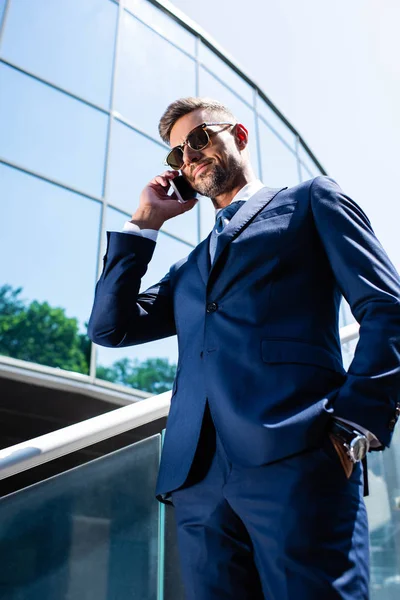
[246, 192]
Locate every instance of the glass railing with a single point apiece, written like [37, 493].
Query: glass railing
[96, 531]
[383, 502]
[383, 505]
[92, 533]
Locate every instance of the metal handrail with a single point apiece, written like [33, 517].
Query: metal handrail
[32, 453]
[44, 448]
[349, 333]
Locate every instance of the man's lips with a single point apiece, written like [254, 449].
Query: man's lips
[200, 168]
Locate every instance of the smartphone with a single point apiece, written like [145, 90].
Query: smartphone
[182, 189]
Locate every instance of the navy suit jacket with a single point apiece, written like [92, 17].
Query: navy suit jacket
[258, 330]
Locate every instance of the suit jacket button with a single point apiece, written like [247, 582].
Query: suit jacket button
[212, 307]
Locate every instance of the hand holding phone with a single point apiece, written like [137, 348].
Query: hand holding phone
[156, 205]
[183, 190]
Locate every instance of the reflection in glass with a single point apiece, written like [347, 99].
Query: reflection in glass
[279, 164]
[2, 8]
[383, 506]
[348, 349]
[164, 24]
[308, 168]
[306, 174]
[90, 533]
[184, 226]
[53, 235]
[64, 42]
[133, 161]
[49, 132]
[151, 73]
[211, 87]
[225, 73]
[275, 123]
[345, 315]
[167, 252]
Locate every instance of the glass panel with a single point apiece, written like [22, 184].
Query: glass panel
[134, 161]
[308, 167]
[383, 506]
[88, 534]
[161, 22]
[53, 235]
[2, 8]
[276, 123]
[226, 74]
[184, 226]
[279, 164]
[142, 99]
[306, 173]
[348, 350]
[167, 252]
[210, 86]
[49, 132]
[64, 42]
[342, 317]
[345, 315]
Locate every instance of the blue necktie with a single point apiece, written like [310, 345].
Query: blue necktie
[223, 218]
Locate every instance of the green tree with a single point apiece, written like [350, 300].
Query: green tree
[40, 333]
[154, 375]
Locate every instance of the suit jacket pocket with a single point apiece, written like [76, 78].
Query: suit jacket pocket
[277, 211]
[292, 351]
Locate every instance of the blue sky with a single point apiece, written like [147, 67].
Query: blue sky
[333, 69]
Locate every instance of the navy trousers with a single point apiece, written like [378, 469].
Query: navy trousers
[292, 530]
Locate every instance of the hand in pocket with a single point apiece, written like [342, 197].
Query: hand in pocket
[341, 452]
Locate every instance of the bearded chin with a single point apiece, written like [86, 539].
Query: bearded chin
[213, 184]
[218, 181]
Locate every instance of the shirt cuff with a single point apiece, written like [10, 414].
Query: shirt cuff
[373, 440]
[134, 229]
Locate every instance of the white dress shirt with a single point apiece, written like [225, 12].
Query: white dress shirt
[244, 194]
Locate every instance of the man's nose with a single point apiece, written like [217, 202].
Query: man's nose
[190, 155]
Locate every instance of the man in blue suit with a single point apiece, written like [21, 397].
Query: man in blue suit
[266, 430]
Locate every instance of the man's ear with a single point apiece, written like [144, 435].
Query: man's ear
[241, 136]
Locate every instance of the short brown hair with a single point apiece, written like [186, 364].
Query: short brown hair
[184, 106]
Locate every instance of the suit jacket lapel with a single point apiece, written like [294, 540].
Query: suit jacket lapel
[242, 218]
[239, 220]
[203, 258]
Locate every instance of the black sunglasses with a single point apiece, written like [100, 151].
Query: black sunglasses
[197, 139]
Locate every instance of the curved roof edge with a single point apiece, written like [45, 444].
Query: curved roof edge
[68, 381]
[197, 30]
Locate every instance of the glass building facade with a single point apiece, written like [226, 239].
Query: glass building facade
[83, 85]
[82, 88]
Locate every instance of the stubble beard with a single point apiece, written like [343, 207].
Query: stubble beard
[217, 179]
